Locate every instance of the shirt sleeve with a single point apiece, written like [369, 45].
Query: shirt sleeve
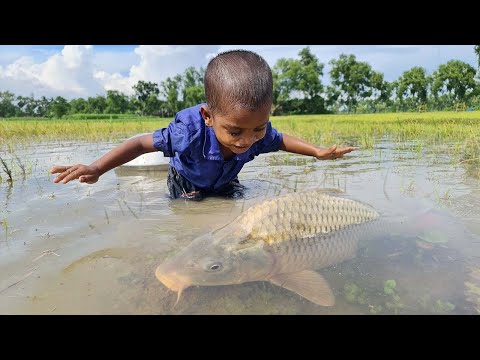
[173, 139]
[271, 141]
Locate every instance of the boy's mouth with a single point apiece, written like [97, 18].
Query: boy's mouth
[241, 148]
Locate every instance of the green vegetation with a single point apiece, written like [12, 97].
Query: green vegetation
[383, 297]
[354, 294]
[435, 306]
[450, 134]
[30, 129]
[360, 129]
[432, 128]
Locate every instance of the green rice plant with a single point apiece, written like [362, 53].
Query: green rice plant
[7, 170]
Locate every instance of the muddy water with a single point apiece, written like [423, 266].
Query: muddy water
[93, 249]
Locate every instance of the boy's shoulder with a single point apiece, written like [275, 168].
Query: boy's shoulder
[191, 117]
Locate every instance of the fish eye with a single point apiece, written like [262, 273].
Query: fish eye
[215, 266]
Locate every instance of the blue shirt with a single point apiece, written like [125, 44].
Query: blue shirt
[196, 154]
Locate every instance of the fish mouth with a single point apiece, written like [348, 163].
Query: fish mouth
[171, 280]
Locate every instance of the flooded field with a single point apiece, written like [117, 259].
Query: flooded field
[93, 249]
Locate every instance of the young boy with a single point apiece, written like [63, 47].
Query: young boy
[210, 143]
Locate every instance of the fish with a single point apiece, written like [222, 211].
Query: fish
[284, 240]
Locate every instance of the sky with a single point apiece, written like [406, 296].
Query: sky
[74, 71]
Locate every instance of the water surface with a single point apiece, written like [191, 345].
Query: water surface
[93, 249]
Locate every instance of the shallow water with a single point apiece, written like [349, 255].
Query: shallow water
[93, 249]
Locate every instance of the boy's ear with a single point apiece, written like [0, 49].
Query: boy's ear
[207, 116]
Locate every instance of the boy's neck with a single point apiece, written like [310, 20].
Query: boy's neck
[227, 153]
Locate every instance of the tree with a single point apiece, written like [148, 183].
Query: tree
[477, 52]
[414, 84]
[193, 95]
[332, 95]
[59, 107]
[96, 105]
[309, 74]
[351, 79]
[116, 102]
[145, 93]
[79, 106]
[282, 84]
[27, 105]
[171, 91]
[298, 79]
[7, 107]
[43, 106]
[381, 91]
[193, 89]
[456, 79]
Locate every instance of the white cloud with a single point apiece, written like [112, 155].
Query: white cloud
[71, 71]
[79, 71]
[157, 62]
[68, 73]
[115, 82]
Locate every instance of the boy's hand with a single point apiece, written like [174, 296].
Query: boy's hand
[83, 173]
[332, 152]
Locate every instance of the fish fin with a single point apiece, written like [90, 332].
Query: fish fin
[307, 283]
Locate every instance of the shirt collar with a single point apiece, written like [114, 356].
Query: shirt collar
[212, 149]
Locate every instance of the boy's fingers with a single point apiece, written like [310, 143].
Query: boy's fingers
[338, 153]
[72, 174]
[58, 169]
[87, 179]
[346, 150]
[64, 172]
[61, 177]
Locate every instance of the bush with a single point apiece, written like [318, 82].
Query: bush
[92, 116]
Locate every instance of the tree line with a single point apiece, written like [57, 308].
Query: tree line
[298, 89]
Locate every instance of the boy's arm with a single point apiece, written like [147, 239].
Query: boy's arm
[126, 151]
[298, 146]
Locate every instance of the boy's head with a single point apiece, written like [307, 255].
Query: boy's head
[238, 79]
[239, 94]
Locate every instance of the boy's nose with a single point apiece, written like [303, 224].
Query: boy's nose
[247, 141]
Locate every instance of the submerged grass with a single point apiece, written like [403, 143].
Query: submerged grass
[459, 130]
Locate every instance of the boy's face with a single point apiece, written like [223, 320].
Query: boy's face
[237, 130]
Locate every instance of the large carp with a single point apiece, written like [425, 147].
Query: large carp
[281, 240]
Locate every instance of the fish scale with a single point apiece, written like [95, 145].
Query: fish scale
[321, 250]
[309, 214]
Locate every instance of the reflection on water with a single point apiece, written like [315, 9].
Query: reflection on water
[93, 249]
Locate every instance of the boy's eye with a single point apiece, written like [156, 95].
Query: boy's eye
[238, 133]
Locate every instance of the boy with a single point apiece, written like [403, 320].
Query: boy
[210, 143]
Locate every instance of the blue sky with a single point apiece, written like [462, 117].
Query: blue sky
[75, 71]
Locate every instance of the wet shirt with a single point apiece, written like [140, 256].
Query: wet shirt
[196, 154]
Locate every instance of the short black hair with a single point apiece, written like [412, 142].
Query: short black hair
[238, 79]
